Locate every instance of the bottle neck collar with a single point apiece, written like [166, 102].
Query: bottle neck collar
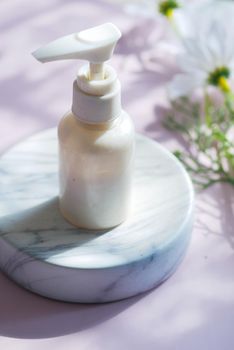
[96, 101]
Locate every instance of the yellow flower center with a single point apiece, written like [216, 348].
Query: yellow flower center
[219, 77]
[169, 13]
[223, 84]
[167, 7]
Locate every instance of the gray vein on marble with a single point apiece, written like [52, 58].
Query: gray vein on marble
[39, 249]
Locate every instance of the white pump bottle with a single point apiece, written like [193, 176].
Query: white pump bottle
[96, 139]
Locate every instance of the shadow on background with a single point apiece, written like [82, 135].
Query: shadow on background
[217, 202]
[26, 315]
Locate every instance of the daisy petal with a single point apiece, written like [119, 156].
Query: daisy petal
[183, 85]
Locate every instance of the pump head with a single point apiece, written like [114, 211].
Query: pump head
[95, 45]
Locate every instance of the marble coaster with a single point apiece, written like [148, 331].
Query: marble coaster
[47, 255]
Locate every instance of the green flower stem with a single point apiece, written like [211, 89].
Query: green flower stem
[208, 105]
[209, 155]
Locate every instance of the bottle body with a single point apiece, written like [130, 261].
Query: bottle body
[96, 164]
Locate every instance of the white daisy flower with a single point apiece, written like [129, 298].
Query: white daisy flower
[208, 57]
[170, 8]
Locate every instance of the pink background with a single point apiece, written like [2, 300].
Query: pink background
[194, 309]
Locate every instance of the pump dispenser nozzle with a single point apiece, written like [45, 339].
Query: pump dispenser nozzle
[95, 45]
[96, 89]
